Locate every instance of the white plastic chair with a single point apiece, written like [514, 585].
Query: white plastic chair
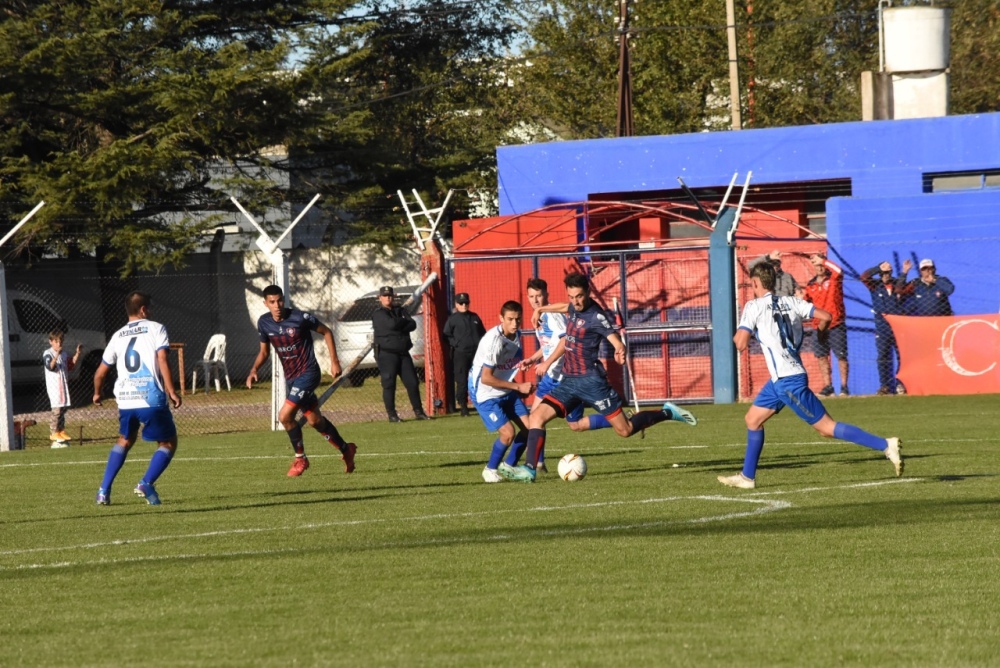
[213, 363]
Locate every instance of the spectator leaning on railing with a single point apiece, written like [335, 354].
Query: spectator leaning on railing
[927, 294]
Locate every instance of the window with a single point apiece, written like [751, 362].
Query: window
[958, 181]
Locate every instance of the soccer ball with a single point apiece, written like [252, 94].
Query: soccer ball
[572, 468]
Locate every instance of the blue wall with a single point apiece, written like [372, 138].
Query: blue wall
[883, 158]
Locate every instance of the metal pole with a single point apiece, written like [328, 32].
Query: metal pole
[734, 70]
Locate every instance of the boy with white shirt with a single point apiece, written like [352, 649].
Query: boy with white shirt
[777, 324]
[492, 389]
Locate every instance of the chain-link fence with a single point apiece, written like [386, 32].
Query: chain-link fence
[216, 295]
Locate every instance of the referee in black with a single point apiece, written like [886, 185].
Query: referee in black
[463, 329]
[391, 325]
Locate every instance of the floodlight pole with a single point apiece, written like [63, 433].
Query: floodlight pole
[279, 273]
[6, 390]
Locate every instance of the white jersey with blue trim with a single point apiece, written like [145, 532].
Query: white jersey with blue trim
[500, 354]
[781, 349]
[551, 328]
[133, 349]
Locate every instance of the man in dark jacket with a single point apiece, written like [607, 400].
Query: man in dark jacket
[392, 325]
[886, 300]
[463, 329]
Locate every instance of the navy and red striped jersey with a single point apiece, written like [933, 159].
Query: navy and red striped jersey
[584, 332]
[291, 339]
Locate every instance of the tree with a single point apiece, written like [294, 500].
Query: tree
[406, 94]
[125, 116]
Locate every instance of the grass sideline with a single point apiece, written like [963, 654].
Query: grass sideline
[414, 561]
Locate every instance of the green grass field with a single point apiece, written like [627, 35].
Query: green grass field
[414, 561]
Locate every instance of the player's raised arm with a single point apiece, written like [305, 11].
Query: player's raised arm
[561, 307]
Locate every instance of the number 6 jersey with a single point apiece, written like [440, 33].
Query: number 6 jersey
[133, 349]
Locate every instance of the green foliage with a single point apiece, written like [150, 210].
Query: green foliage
[121, 115]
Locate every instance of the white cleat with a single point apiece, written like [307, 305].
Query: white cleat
[491, 475]
[892, 454]
[739, 481]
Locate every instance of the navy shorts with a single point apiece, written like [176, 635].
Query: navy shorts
[793, 392]
[835, 340]
[497, 412]
[301, 390]
[575, 391]
[545, 386]
[157, 424]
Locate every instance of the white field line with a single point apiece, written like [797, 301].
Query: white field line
[762, 506]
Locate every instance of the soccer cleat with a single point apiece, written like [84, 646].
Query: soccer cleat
[299, 467]
[679, 414]
[348, 458]
[421, 416]
[517, 473]
[491, 475]
[827, 391]
[103, 497]
[147, 491]
[63, 436]
[394, 418]
[739, 481]
[59, 444]
[892, 454]
[844, 392]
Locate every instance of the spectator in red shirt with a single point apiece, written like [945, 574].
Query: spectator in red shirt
[826, 291]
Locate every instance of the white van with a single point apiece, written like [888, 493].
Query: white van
[30, 319]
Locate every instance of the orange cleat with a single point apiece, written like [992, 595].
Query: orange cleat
[349, 458]
[299, 467]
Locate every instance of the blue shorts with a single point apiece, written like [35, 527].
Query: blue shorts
[793, 392]
[595, 391]
[545, 386]
[157, 424]
[301, 389]
[497, 412]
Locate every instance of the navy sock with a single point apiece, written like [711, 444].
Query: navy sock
[852, 434]
[295, 436]
[158, 464]
[496, 456]
[536, 442]
[755, 445]
[644, 419]
[330, 433]
[115, 461]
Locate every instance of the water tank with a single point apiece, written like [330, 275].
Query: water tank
[917, 39]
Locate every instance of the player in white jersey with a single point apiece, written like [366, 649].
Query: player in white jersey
[493, 389]
[139, 353]
[777, 324]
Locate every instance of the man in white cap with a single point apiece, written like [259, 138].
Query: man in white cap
[927, 294]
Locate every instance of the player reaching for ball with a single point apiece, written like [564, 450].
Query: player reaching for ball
[289, 331]
[777, 324]
[584, 378]
[492, 389]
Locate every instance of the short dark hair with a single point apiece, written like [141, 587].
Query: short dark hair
[273, 290]
[135, 300]
[511, 307]
[538, 284]
[577, 281]
[764, 271]
[56, 334]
